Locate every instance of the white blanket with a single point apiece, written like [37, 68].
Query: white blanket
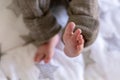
[102, 59]
[105, 52]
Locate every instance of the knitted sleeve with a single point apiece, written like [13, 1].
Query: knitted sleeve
[38, 19]
[85, 15]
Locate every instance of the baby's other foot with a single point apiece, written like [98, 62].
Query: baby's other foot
[73, 41]
[46, 51]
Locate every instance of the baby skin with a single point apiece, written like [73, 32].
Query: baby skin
[73, 41]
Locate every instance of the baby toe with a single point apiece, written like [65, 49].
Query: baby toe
[48, 57]
[38, 57]
[79, 39]
[77, 32]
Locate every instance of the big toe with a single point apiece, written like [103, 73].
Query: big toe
[70, 28]
[48, 57]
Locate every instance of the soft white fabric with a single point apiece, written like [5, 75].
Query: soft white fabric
[17, 60]
[105, 52]
[102, 59]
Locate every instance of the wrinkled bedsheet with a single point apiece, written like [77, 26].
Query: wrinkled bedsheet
[101, 61]
[105, 52]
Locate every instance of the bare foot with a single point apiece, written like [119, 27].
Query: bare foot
[74, 41]
[46, 51]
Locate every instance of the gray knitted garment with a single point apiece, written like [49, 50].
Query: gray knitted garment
[42, 25]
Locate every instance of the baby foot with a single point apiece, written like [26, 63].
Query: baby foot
[46, 51]
[73, 41]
